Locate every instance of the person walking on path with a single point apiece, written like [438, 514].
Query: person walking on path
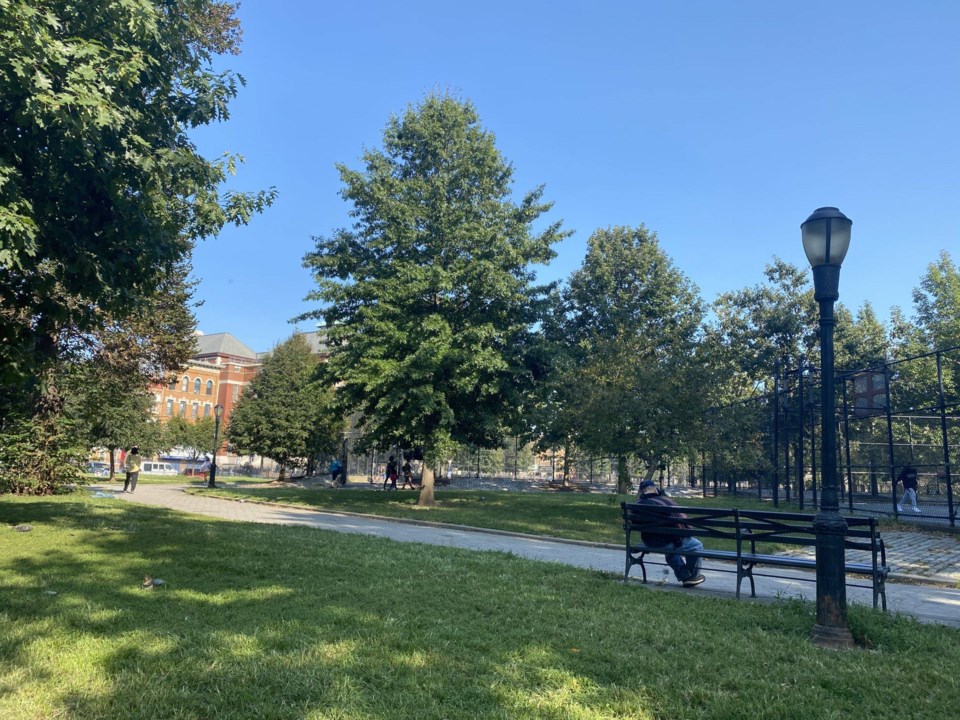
[686, 568]
[407, 476]
[908, 476]
[133, 470]
[337, 476]
[390, 476]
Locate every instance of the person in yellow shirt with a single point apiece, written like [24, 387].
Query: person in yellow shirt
[133, 469]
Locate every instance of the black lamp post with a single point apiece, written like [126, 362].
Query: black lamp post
[217, 414]
[826, 237]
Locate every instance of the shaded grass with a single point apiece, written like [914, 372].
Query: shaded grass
[261, 621]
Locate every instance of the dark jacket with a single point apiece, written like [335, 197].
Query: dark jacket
[908, 476]
[656, 539]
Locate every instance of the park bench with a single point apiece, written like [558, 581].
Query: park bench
[751, 536]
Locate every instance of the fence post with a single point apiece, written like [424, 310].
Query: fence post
[801, 401]
[846, 443]
[776, 433]
[893, 469]
[946, 440]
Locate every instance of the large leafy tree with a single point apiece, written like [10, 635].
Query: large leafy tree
[770, 322]
[430, 298]
[634, 324]
[861, 339]
[102, 192]
[286, 413]
[937, 303]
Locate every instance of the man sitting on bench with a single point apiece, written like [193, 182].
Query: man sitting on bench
[686, 568]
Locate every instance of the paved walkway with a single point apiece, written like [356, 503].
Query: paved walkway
[905, 551]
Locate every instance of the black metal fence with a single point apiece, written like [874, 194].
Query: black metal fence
[892, 415]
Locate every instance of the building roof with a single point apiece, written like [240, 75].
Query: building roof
[222, 344]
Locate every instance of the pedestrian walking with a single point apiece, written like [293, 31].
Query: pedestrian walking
[133, 470]
[407, 476]
[908, 477]
[390, 476]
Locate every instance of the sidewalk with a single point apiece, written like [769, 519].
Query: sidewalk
[908, 553]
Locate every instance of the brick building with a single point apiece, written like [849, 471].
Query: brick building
[216, 374]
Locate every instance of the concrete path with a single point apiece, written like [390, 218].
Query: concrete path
[927, 602]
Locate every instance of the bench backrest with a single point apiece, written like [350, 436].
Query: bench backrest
[755, 526]
[658, 519]
[788, 528]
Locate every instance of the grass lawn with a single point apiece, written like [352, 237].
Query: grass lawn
[593, 517]
[259, 621]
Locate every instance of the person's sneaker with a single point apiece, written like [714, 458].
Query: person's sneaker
[916, 510]
[899, 508]
[694, 581]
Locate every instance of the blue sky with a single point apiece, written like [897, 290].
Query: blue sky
[718, 124]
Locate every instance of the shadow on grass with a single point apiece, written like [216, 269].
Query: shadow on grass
[285, 622]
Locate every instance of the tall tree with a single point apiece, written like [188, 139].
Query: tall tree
[937, 303]
[102, 192]
[634, 323]
[286, 413]
[430, 296]
[773, 321]
[861, 340]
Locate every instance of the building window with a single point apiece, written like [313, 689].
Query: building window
[196, 386]
[195, 411]
[173, 384]
[206, 410]
[185, 385]
[170, 406]
[236, 391]
[183, 408]
[209, 387]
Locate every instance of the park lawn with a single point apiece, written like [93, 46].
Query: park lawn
[590, 517]
[262, 621]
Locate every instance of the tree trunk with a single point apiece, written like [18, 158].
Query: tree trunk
[113, 457]
[427, 498]
[566, 465]
[624, 485]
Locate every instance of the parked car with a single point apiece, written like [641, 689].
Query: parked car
[150, 467]
[100, 469]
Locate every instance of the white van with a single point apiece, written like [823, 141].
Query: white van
[150, 467]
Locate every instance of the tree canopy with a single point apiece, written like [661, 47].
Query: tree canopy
[102, 192]
[286, 413]
[430, 298]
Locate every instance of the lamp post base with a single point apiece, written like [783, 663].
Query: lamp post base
[832, 638]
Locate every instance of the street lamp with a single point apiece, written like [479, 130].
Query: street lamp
[217, 414]
[826, 237]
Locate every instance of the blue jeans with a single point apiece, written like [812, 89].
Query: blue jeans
[684, 567]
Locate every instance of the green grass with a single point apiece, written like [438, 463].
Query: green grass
[258, 621]
[592, 517]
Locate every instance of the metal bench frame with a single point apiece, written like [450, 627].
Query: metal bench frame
[748, 529]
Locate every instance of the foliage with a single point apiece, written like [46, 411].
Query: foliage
[102, 192]
[861, 341]
[775, 321]
[286, 413]
[38, 458]
[194, 437]
[430, 298]
[632, 324]
[937, 303]
[101, 189]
